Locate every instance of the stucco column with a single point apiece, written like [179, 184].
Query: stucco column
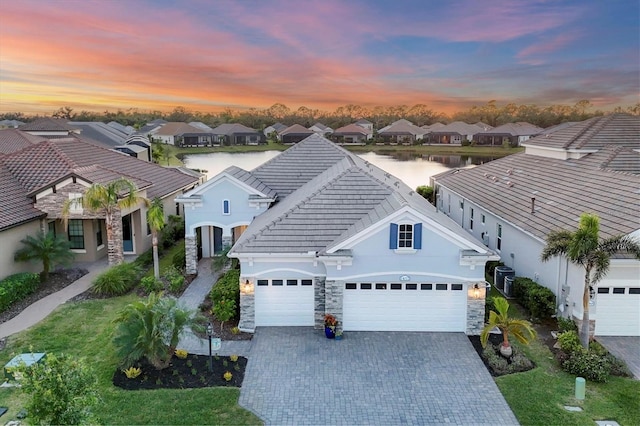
[191, 254]
[333, 300]
[476, 300]
[319, 302]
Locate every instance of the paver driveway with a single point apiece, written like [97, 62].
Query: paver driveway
[297, 376]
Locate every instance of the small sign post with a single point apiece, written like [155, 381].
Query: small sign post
[216, 343]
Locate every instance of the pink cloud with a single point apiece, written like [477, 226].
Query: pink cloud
[535, 54]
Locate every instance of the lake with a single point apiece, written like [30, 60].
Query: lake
[413, 169]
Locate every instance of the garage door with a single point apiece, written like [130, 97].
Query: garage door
[375, 306]
[284, 302]
[618, 311]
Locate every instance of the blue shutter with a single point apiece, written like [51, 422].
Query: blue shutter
[393, 236]
[417, 236]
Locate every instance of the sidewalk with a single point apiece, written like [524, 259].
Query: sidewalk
[43, 307]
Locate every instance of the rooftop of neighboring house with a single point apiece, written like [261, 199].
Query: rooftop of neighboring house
[47, 124]
[200, 125]
[12, 140]
[351, 129]
[233, 128]
[42, 165]
[107, 135]
[176, 128]
[402, 127]
[604, 182]
[321, 126]
[459, 127]
[278, 127]
[342, 197]
[12, 124]
[297, 129]
[364, 121]
[520, 128]
[432, 127]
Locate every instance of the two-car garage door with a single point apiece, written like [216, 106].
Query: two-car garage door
[376, 306]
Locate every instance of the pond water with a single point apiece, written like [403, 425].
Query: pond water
[413, 169]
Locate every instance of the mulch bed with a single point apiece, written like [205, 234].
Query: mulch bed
[191, 372]
[223, 332]
[494, 339]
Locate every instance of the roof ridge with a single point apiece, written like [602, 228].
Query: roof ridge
[594, 124]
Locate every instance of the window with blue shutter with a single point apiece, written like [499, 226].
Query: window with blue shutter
[393, 236]
[417, 236]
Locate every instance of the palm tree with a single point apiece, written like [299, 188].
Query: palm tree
[47, 249]
[155, 219]
[585, 248]
[520, 329]
[110, 198]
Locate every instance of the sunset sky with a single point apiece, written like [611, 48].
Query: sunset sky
[207, 55]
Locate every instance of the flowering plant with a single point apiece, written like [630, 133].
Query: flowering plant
[330, 321]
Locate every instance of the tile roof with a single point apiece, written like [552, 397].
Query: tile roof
[593, 134]
[27, 171]
[514, 129]
[47, 124]
[297, 129]
[298, 165]
[350, 129]
[251, 180]
[231, 128]
[13, 140]
[200, 125]
[177, 128]
[433, 127]
[459, 127]
[563, 189]
[616, 157]
[345, 198]
[402, 127]
[108, 136]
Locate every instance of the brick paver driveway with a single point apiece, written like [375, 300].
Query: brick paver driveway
[297, 376]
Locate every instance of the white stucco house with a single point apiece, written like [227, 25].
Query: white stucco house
[514, 202]
[318, 230]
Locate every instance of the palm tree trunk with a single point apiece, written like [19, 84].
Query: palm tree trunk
[584, 329]
[156, 262]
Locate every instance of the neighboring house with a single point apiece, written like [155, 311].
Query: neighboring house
[514, 202]
[128, 130]
[352, 133]
[107, 135]
[237, 134]
[201, 125]
[453, 133]
[152, 126]
[38, 179]
[294, 134]
[12, 140]
[318, 230]
[134, 151]
[49, 128]
[365, 124]
[321, 129]
[512, 134]
[181, 134]
[277, 128]
[402, 131]
[10, 124]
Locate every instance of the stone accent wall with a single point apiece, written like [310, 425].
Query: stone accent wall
[227, 241]
[52, 204]
[333, 300]
[475, 311]
[247, 321]
[319, 302]
[191, 254]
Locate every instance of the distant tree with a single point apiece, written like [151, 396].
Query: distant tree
[65, 112]
[45, 248]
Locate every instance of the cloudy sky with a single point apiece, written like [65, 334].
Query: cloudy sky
[207, 55]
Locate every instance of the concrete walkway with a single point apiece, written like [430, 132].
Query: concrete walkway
[192, 297]
[39, 310]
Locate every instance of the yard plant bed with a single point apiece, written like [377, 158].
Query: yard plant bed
[191, 372]
[508, 367]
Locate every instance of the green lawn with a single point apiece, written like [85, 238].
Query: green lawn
[166, 258]
[84, 329]
[538, 396]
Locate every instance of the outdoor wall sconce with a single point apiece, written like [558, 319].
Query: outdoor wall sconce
[476, 291]
[246, 287]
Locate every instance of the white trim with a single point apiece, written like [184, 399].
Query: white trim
[100, 247]
[80, 251]
[412, 274]
[282, 270]
[219, 178]
[405, 250]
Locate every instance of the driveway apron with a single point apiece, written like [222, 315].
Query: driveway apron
[626, 348]
[297, 376]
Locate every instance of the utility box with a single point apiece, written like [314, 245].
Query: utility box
[498, 276]
[10, 368]
[508, 285]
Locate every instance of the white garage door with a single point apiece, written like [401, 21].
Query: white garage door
[404, 307]
[618, 311]
[284, 302]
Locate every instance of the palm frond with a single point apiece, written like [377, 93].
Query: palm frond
[557, 244]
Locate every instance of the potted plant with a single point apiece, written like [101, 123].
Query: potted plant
[330, 324]
[520, 329]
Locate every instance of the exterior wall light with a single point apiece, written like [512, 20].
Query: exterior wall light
[246, 287]
[476, 291]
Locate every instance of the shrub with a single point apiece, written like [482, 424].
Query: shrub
[426, 192]
[566, 324]
[227, 376]
[488, 307]
[569, 342]
[132, 372]
[174, 278]
[501, 366]
[233, 358]
[151, 284]
[16, 287]
[227, 287]
[224, 310]
[235, 330]
[537, 299]
[466, 142]
[172, 231]
[181, 353]
[490, 268]
[145, 260]
[618, 367]
[589, 365]
[61, 390]
[179, 259]
[117, 280]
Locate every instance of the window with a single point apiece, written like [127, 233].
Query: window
[449, 203]
[76, 234]
[634, 290]
[75, 202]
[365, 286]
[396, 286]
[381, 286]
[471, 218]
[350, 286]
[276, 282]
[461, 205]
[292, 282]
[411, 286]
[263, 282]
[98, 227]
[51, 227]
[618, 290]
[306, 282]
[484, 219]
[603, 290]
[498, 237]
[405, 236]
[457, 287]
[441, 286]
[177, 209]
[426, 286]
[226, 207]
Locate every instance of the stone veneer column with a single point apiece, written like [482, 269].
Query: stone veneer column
[226, 241]
[475, 310]
[114, 247]
[191, 255]
[247, 321]
[333, 300]
[319, 302]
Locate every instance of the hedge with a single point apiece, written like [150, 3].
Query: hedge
[228, 288]
[117, 280]
[17, 287]
[538, 300]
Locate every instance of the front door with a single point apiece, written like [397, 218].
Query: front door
[127, 234]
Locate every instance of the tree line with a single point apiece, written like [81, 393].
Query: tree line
[420, 114]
